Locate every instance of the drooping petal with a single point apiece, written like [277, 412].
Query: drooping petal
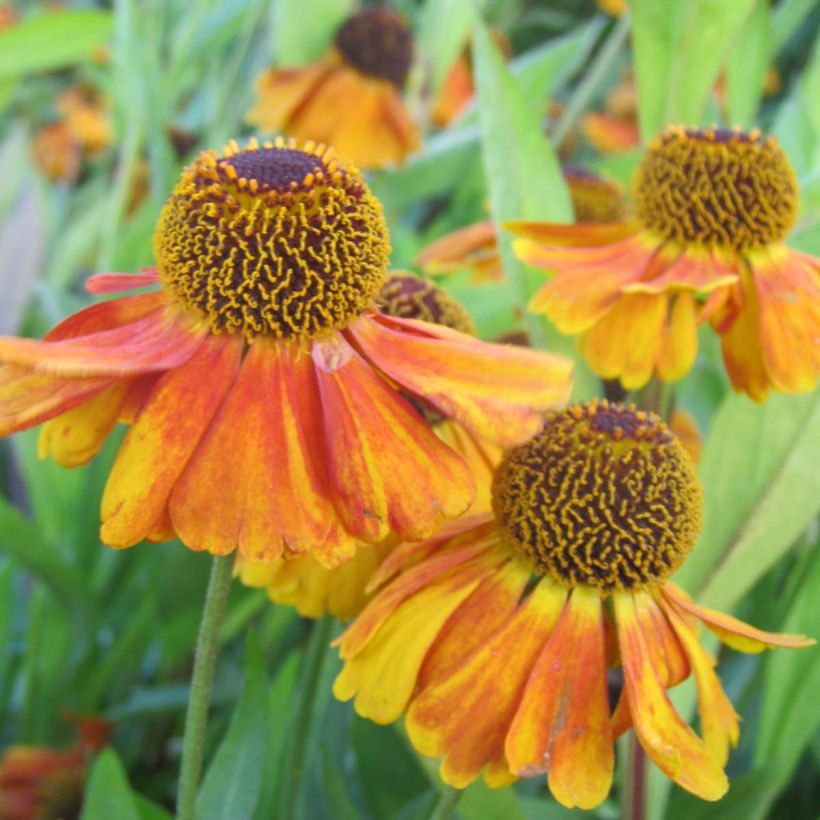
[671, 745]
[119, 282]
[733, 632]
[466, 715]
[106, 316]
[693, 269]
[679, 343]
[162, 439]
[562, 725]
[258, 470]
[473, 247]
[382, 676]
[387, 469]
[497, 391]
[283, 91]
[156, 341]
[719, 722]
[28, 398]
[76, 436]
[625, 343]
[574, 236]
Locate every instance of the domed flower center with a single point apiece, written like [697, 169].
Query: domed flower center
[604, 495]
[410, 297]
[272, 240]
[594, 199]
[717, 188]
[377, 43]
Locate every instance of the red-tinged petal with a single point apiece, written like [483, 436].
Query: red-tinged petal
[255, 482]
[497, 391]
[387, 469]
[671, 745]
[119, 282]
[625, 343]
[28, 398]
[697, 270]
[574, 236]
[679, 344]
[162, 439]
[76, 436]
[719, 723]
[157, 341]
[490, 606]
[733, 632]
[788, 295]
[139, 389]
[466, 716]
[458, 249]
[354, 639]
[106, 316]
[562, 725]
[668, 656]
[383, 675]
[621, 717]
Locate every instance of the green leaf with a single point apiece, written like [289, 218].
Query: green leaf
[523, 176]
[478, 802]
[680, 47]
[748, 63]
[440, 45]
[107, 793]
[52, 41]
[231, 785]
[759, 474]
[304, 29]
[149, 810]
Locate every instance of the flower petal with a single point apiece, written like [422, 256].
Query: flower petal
[562, 724]
[679, 343]
[461, 249]
[497, 391]
[466, 716]
[106, 316]
[671, 745]
[733, 632]
[574, 236]
[387, 469]
[162, 439]
[118, 282]
[693, 269]
[283, 91]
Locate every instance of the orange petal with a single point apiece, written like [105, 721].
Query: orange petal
[719, 722]
[162, 439]
[76, 436]
[118, 282]
[383, 675]
[459, 248]
[387, 469]
[733, 632]
[497, 391]
[283, 91]
[466, 716]
[28, 398]
[788, 293]
[671, 745]
[625, 343]
[679, 343]
[574, 236]
[693, 269]
[489, 607]
[106, 316]
[562, 724]
[154, 342]
[258, 470]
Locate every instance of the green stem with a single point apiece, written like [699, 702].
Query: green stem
[593, 78]
[446, 804]
[196, 718]
[315, 655]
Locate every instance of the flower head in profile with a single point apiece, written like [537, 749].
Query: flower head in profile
[475, 248]
[270, 403]
[495, 637]
[302, 581]
[351, 99]
[713, 208]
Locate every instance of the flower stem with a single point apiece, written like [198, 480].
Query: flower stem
[315, 655]
[634, 790]
[600, 68]
[446, 804]
[196, 718]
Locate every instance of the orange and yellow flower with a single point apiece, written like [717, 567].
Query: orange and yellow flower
[302, 581]
[495, 637]
[351, 99]
[267, 396]
[475, 248]
[713, 208]
[42, 783]
[615, 129]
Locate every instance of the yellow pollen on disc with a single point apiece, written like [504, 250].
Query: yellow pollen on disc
[272, 240]
[411, 297]
[717, 188]
[594, 199]
[603, 496]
